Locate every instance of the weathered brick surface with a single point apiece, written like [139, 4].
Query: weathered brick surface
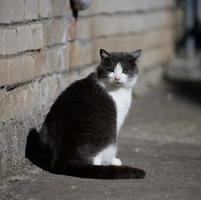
[33, 36]
[34, 95]
[104, 25]
[32, 65]
[112, 6]
[22, 38]
[24, 98]
[122, 29]
[18, 69]
[29, 105]
[10, 40]
[23, 103]
[1, 42]
[4, 73]
[5, 11]
[145, 41]
[55, 31]
[80, 53]
[18, 10]
[84, 29]
[45, 8]
[12, 11]
[37, 35]
[30, 9]
[123, 24]
[60, 7]
[156, 57]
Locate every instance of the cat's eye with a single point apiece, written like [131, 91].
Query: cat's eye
[125, 70]
[110, 70]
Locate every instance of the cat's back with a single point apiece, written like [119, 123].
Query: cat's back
[84, 101]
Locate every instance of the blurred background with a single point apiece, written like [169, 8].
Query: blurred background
[43, 49]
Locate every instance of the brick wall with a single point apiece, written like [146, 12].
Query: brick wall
[43, 50]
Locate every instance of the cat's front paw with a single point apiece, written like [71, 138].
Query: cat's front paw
[116, 161]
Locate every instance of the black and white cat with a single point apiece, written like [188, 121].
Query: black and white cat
[81, 129]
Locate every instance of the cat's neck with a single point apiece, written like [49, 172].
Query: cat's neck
[122, 98]
[110, 87]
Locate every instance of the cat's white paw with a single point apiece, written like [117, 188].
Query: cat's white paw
[97, 160]
[116, 161]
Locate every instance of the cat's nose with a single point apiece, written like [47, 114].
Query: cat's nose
[117, 78]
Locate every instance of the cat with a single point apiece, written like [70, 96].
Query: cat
[81, 129]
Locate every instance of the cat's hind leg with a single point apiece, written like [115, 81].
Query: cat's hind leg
[107, 156]
[116, 161]
[97, 159]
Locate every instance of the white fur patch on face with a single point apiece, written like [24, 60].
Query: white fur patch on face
[118, 70]
[111, 75]
[133, 82]
[119, 76]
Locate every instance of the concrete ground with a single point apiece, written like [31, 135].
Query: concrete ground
[162, 135]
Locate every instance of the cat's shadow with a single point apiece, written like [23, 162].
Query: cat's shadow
[37, 154]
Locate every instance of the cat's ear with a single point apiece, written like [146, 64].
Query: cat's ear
[136, 54]
[104, 54]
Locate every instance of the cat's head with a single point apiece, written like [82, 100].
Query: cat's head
[118, 69]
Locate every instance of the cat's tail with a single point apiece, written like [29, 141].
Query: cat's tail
[40, 155]
[32, 144]
[35, 151]
[101, 172]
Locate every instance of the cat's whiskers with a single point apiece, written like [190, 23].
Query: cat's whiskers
[107, 85]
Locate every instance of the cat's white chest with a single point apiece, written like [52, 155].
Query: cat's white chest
[122, 98]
